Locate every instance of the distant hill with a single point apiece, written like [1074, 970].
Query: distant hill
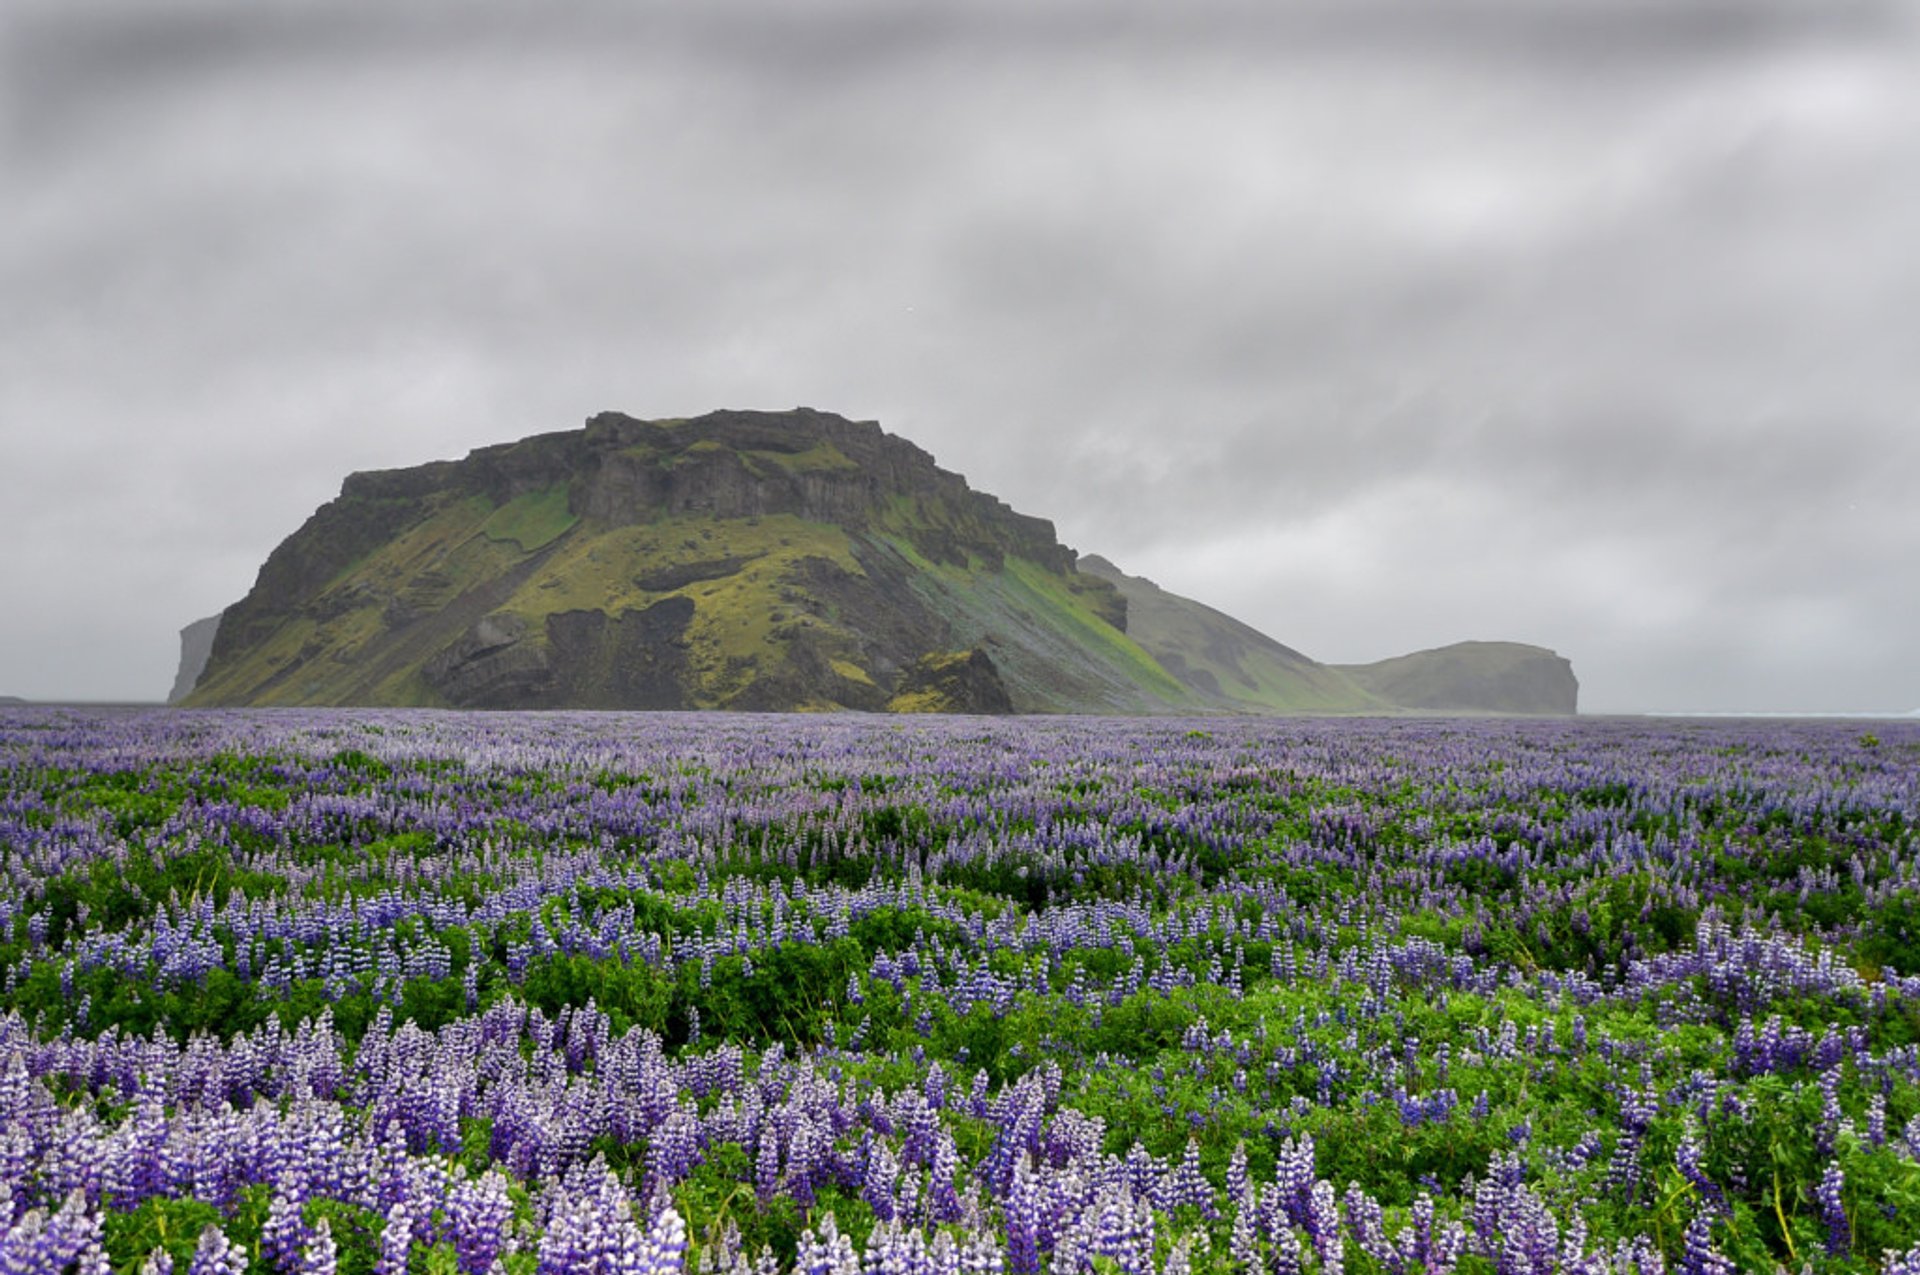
[738, 560]
[11, 699]
[1495, 677]
[1230, 665]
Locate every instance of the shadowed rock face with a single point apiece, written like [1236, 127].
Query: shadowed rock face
[953, 682]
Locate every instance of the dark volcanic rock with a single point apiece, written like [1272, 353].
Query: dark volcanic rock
[953, 682]
[494, 665]
[634, 660]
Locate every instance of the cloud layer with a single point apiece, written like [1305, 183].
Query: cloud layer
[1379, 324]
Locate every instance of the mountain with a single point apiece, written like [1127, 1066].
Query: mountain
[1237, 668]
[746, 560]
[737, 560]
[1497, 677]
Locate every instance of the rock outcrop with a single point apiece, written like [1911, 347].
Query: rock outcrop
[196, 644]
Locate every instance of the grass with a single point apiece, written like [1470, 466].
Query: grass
[821, 458]
[533, 520]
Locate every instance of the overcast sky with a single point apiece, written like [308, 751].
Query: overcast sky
[1379, 324]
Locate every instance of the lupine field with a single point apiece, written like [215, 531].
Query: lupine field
[409, 992]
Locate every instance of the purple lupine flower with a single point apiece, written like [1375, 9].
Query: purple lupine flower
[1243, 1244]
[479, 1214]
[1907, 1263]
[878, 1182]
[1686, 1158]
[1833, 1210]
[1239, 1189]
[320, 1256]
[1186, 1184]
[666, 1245]
[1022, 1221]
[827, 1253]
[217, 1255]
[396, 1241]
[69, 1239]
[1322, 1224]
[1368, 1224]
[1284, 1256]
[766, 1165]
[285, 1234]
[1700, 1257]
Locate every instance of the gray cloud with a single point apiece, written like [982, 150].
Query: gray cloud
[1378, 323]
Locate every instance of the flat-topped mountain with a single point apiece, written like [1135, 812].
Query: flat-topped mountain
[1486, 677]
[738, 560]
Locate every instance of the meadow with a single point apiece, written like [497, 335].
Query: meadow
[408, 992]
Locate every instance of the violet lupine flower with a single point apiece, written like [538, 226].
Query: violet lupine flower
[1368, 1224]
[1833, 1210]
[217, 1255]
[1686, 1158]
[320, 1256]
[1907, 1263]
[944, 1194]
[1415, 1242]
[1239, 1190]
[878, 1182]
[1022, 1221]
[1284, 1255]
[396, 1241]
[1322, 1224]
[1700, 1256]
[1123, 1231]
[285, 1234]
[158, 1262]
[1186, 1185]
[69, 1239]
[1529, 1239]
[826, 1253]
[1243, 1245]
[665, 1252]
[479, 1214]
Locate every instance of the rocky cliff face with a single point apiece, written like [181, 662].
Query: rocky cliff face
[196, 644]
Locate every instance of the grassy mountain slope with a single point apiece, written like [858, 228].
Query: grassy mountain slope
[739, 560]
[1231, 665]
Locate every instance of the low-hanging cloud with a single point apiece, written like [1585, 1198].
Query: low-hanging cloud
[1378, 324]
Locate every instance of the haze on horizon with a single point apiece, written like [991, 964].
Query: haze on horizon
[1377, 324]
